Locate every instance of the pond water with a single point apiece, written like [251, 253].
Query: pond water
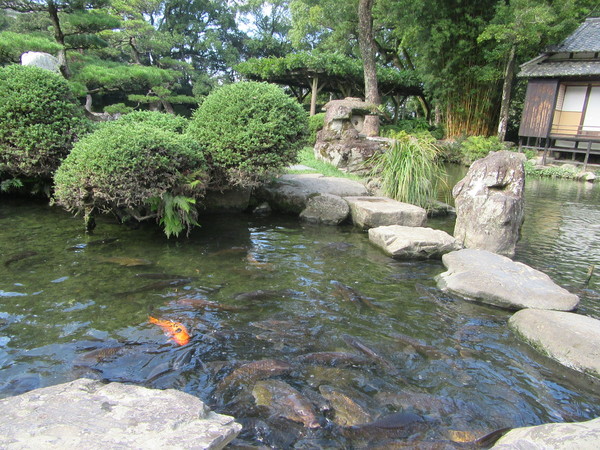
[249, 289]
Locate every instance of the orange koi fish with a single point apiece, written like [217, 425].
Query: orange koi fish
[176, 330]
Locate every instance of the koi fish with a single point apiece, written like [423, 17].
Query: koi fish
[176, 330]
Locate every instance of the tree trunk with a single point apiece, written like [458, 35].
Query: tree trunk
[367, 46]
[313, 97]
[506, 90]
[59, 37]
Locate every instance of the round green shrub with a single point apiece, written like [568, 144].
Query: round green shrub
[249, 130]
[164, 121]
[39, 121]
[137, 169]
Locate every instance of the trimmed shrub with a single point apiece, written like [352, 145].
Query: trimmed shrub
[39, 121]
[135, 167]
[250, 130]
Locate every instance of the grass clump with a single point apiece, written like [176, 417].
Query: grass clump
[306, 157]
[410, 171]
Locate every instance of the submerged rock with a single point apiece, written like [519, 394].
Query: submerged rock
[489, 203]
[88, 414]
[497, 280]
[371, 212]
[571, 339]
[413, 242]
[579, 435]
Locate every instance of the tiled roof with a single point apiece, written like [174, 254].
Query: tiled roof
[560, 69]
[585, 39]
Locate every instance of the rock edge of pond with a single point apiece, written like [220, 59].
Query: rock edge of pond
[87, 413]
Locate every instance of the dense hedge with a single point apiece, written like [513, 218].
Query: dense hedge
[138, 167]
[249, 130]
[39, 121]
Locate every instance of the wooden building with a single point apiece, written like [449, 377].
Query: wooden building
[562, 104]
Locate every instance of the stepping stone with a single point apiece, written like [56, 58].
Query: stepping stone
[372, 212]
[90, 414]
[571, 339]
[325, 209]
[290, 192]
[565, 436]
[402, 242]
[497, 280]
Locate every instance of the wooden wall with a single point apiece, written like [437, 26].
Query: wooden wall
[539, 107]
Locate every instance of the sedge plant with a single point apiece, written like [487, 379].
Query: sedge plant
[410, 171]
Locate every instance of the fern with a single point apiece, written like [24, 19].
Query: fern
[175, 213]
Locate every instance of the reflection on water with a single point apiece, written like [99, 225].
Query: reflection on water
[316, 315]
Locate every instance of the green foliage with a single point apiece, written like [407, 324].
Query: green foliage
[566, 172]
[315, 124]
[295, 67]
[419, 126]
[118, 108]
[410, 171]
[250, 130]
[39, 121]
[132, 166]
[10, 184]
[466, 151]
[12, 45]
[306, 157]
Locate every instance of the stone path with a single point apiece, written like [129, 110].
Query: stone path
[402, 242]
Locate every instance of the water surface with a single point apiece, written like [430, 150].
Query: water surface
[251, 288]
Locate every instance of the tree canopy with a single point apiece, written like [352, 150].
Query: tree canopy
[456, 57]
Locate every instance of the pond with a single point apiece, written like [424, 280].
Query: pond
[274, 290]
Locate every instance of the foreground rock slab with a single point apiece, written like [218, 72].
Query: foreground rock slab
[372, 212]
[489, 203]
[556, 436]
[89, 414]
[571, 339]
[402, 242]
[497, 280]
[290, 192]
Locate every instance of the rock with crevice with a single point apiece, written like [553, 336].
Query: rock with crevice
[290, 192]
[372, 212]
[89, 414]
[402, 242]
[490, 203]
[556, 436]
[325, 209]
[494, 279]
[571, 339]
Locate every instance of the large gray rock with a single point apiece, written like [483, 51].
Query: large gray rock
[228, 201]
[555, 436]
[571, 339]
[290, 192]
[89, 414]
[326, 209]
[413, 242]
[40, 59]
[497, 280]
[489, 203]
[371, 212]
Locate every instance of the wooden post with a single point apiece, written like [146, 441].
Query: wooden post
[587, 156]
[313, 96]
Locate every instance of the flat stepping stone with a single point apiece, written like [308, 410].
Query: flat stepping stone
[290, 192]
[497, 280]
[402, 242]
[325, 209]
[571, 339]
[565, 436]
[90, 414]
[372, 212]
